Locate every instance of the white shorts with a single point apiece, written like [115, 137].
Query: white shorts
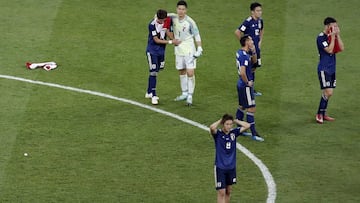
[185, 62]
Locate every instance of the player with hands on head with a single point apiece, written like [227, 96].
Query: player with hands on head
[155, 50]
[328, 43]
[225, 154]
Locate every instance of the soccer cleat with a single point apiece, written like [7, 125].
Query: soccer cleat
[257, 93]
[257, 138]
[155, 100]
[148, 95]
[189, 101]
[245, 134]
[319, 118]
[181, 97]
[328, 118]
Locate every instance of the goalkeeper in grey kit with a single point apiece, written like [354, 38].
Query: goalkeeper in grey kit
[186, 30]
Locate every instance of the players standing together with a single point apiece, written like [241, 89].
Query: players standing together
[184, 34]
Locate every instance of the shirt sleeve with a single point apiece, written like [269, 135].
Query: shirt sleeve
[152, 30]
[216, 133]
[242, 60]
[322, 41]
[243, 26]
[236, 131]
[193, 27]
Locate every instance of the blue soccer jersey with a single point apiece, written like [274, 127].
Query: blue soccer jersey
[156, 29]
[225, 145]
[327, 61]
[253, 27]
[243, 59]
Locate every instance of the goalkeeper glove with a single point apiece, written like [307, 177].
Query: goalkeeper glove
[198, 53]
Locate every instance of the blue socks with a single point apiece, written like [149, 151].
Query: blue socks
[250, 119]
[323, 105]
[152, 85]
[240, 114]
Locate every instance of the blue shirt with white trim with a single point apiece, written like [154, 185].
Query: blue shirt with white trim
[327, 61]
[156, 29]
[243, 59]
[225, 145]
[253, 27]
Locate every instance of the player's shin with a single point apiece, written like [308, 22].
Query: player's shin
[152, 83]
[184, 84]
[251, 119]
[191, 85]
[323, 105]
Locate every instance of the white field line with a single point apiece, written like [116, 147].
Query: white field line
[264, 170]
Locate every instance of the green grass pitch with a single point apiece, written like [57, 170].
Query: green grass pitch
[85, 148]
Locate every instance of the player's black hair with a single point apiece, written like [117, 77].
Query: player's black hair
[182, 3]
[329, 20]
[243, 39]
[225, 118]
[254, 5]
[161, 14]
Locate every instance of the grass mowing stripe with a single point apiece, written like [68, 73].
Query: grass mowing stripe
[264, 170]
[38, 35]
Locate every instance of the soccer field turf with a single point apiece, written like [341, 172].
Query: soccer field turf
[85, 148]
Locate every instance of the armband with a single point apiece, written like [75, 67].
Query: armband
[170, 42]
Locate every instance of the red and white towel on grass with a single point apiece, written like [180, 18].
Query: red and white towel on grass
[45, 65]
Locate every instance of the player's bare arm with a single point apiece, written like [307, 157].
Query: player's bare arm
[341, 44]
[329, 49]
[238, 34]
[169, 34]
[244, 76]
[244, 125]
[261, 37]
[253, 56]
[163, 41]
[214, 126]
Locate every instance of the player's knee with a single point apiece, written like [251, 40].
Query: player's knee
[153, 73]
[190, 72]
[328, 93]
[222, 192]
[228, 190]
[182, 71]
[252, 109]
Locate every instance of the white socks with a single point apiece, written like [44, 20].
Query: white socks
[184, 84]
[187, 84]
[191, 84]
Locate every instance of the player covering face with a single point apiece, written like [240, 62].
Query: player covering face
[328, 43]
[155, 51]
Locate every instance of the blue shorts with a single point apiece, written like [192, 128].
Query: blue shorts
[327, 80]
[156, 62]
[246, 96]
[224, 177]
